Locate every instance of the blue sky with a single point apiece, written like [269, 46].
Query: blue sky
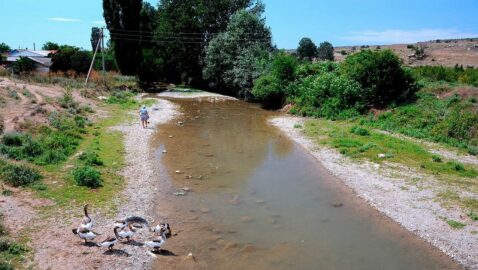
[342, 22]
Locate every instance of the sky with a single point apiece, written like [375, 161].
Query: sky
[341, 22]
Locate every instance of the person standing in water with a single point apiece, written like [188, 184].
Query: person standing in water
[144, 116]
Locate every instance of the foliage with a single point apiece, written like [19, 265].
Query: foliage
[357, 130]
[447, 74]
[455, 224]
[327, 95]
[4, 48]
[270, 88]
[233, 58]
[95, 38]
[71, 58]
[452, 121]
[325, 51]
[50, 46]
[19, 175]
[122, 16]
[381, 76]
[87, 176]
[23, 65]
[91, 158]
[307, 49]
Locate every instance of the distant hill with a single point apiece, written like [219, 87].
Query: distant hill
[449, 52]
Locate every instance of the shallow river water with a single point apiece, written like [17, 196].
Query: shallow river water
[240, 195]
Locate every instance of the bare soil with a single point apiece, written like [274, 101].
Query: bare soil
[445, 52]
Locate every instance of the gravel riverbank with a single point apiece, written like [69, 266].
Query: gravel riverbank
[386, 188]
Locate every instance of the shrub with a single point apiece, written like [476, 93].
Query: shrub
[359, 131]
[381, 76]
[6, 266]
[327, 95]
[269, 91]
[325, 51]
[307, 49]
[87, 176]
[473, 150]
[455, 224]
[91, 158]
[23, 65]
[19, 175]
[436, 158]
[12, 139]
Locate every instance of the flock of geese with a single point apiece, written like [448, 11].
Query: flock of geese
[123, 229]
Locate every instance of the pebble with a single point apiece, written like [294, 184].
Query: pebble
[205, 210]
[178, 172]
[248, 249]
[170, 136]
[186, 189]
[337, 204]
[230, 246]
[271, 221]
[246, 219]
[164, 151]
[260, 201]
[382, 156]
[180, 193]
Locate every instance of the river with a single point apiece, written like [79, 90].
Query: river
[240, 195]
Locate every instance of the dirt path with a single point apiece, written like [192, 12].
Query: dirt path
[387, 189]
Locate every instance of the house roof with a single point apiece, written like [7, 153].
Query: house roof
[30, 53]
[44, 61]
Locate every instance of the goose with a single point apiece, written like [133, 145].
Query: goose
[110, 241]
[87, 222]
[121, 224]
[166, 227]
[85, 234]
[128, 234]
[158, 242]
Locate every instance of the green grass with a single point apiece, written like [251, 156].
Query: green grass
[108, 146]
[337, 134]
[455, 224]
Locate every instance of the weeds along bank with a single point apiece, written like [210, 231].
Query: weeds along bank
[67, 155]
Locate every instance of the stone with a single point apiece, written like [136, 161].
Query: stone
[180, 193]
[170, 136]
[248, 249]
[164, 151]
[178, 172]
[337, 204]
[260, 201]
[382, 156]
[271, 221]
[205, 210]
[246, 219]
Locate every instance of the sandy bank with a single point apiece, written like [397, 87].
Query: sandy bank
[385, 188]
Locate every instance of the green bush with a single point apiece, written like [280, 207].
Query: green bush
[357, 130]
[6, 266]
[269, 91]
[87, 176]
[91, 158]
[19, 175]
[436, 158]
[381, 76]
[447, 74]
[327, 95]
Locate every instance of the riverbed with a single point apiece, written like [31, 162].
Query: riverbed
[240, 195]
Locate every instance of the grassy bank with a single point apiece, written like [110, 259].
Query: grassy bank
[361, 143]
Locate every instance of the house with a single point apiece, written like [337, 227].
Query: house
[42, 59]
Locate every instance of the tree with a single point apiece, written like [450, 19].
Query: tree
[123, 20]
[381, 75]
[71, 58]
[233, 53]
[184, 29]
[4, 48]
[95, 38]
[307, 49]
[326, 51]
[23, 65]
[50, 46]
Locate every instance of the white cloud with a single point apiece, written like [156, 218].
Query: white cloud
[59, 19]
[99, 22]
[393, 36]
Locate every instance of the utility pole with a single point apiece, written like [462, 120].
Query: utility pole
[103, 55]
[92, 62]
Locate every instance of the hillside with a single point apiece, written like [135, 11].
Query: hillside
[437, 52]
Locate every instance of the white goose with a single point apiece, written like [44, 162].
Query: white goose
[85, 234]
[158, 242]
[121, 224]
[110, 241]
[87, 222]
[128, 234]
[164, 226]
